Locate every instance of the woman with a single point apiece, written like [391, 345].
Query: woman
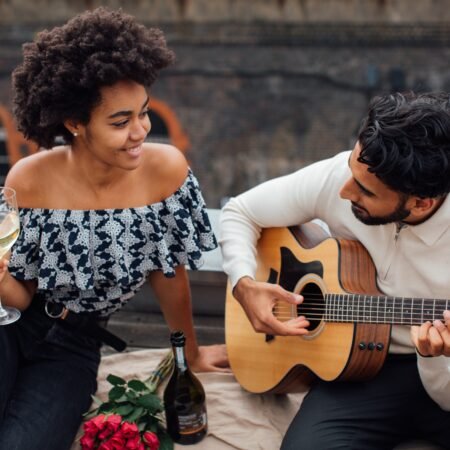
[100, 215]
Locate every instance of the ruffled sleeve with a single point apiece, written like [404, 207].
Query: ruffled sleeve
[24, 260]
[185, 230]
[107, 254]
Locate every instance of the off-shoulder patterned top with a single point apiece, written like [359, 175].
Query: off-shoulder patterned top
[96, 260]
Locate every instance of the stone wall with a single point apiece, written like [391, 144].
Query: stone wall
[263, 91]
[296, 11]
[260, 109]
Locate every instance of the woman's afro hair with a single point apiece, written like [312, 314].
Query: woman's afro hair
[64, 68]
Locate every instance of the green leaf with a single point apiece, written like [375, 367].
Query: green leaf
[90, 414]
[116, 392]
[124, 410]
[115, 381]
[131, 396]
[106, 407]
[135, 415]
[137, 385]
[150, 402]
[150, 421]
[165, 442]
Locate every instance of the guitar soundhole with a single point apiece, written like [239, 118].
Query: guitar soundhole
[313, 306]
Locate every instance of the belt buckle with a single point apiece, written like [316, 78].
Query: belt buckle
[62, 314]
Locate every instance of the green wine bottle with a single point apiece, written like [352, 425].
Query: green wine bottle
[184, 399]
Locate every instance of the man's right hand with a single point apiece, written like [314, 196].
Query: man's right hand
[259, 299]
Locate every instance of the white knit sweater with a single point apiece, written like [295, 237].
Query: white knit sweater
[415, 264]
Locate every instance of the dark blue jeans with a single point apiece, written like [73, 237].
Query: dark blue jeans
[372, 415]
[47, 376]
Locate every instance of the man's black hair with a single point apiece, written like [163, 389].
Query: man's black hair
[405, 141]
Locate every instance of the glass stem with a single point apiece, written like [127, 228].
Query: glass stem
[3, 312]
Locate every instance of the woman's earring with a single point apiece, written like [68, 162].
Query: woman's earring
[75, 134]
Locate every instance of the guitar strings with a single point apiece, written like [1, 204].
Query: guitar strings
[308, 303]
[416, 318]
[370, 298]
[373, 303]
[361, 319]
[314, 310]
[337, 307]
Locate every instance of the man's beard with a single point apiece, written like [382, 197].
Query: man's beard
[400, 213]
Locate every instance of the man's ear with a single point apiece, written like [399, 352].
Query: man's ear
[422, 207]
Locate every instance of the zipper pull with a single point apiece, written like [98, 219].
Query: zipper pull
[399, 226]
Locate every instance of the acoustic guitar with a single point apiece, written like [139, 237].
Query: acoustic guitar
[350, 320]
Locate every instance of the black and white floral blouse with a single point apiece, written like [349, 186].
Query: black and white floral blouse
[95, 260]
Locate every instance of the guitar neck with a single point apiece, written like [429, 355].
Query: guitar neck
[382, 309]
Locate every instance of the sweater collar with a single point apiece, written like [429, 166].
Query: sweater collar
[433, 228]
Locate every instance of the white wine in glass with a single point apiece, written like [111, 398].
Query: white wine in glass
[9, 232]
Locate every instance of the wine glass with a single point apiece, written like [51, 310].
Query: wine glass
[9, 231]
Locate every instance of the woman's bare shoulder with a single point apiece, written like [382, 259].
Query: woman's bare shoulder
[32, 176]
[167, 165]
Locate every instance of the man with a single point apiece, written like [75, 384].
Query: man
[389, 193]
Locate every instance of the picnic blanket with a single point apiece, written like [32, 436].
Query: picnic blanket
[237, 420]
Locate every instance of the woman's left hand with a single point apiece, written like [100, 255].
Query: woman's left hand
[211, 358]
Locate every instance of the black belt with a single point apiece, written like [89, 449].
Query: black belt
[84, 323]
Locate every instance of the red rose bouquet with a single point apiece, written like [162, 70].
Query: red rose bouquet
[132, 417]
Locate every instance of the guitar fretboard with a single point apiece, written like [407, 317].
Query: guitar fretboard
[382, 309]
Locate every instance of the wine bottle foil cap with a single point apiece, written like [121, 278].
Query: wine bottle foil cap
[177, 338]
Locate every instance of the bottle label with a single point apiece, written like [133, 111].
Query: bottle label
[192, 423]
[180, 360]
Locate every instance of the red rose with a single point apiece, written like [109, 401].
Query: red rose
[114, 420]
[87, 442]
[106, 445]
[93, 426]
[117, 442]
[151, 440]
[111, 425]
[134, 443]
[129, 430]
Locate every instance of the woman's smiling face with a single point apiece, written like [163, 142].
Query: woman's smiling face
[117, 127]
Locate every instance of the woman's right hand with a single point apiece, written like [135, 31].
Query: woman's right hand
[16, 293]
[258, 300]
[3, 268]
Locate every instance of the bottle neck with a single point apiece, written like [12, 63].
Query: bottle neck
[180, 358]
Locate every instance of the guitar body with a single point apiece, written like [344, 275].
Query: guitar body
[306, 261]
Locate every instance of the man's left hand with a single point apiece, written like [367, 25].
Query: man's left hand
[433, 339]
